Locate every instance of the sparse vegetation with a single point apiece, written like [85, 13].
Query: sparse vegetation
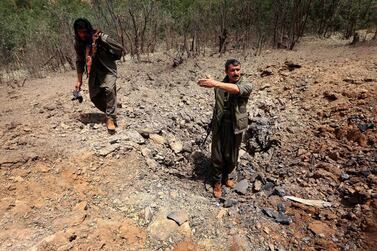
[36, 34]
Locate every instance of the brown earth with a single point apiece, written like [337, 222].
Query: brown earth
[67, 184]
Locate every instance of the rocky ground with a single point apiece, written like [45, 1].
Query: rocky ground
[67, 184]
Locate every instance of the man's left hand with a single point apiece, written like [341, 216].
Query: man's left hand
[94, 49]
[94, 43]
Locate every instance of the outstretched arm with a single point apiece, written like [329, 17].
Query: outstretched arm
[210, 83]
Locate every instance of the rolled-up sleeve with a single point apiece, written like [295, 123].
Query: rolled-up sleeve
[245, 89]
[80, 58]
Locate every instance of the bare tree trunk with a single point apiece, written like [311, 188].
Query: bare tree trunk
[223, 32]
[300, 12]
[194, 43]
[132, 50]
[356, 38]
[137, 35]
[154, 42]
[274, 40]
[185, 46]
[334, 10]
[122, 32]
[146, 12]
[97, 5]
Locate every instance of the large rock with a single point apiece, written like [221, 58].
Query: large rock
[230, 203]
[279, 191]
[279, 217]
[178, 216]
[151, 163]
[242, 186]
[240, 154]
[157, 139]
[134, 136]
[53, 241]
[134, 236]
[257, 185]
[74, 219]
[146, 132]
[16, 159]
[163, 228]
[187, 147]
[176, 146]
[147, 213]
[146, 152]
[81, 206]
[104, 151]
[320, 228]
[240, 243]
[186, 245]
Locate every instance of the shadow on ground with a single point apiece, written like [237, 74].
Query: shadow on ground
[92, 118]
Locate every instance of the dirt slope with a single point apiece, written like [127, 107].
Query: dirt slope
[66, 184]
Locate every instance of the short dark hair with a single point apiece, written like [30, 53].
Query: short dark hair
[232, 61]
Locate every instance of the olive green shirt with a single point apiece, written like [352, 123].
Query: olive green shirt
[237, 105]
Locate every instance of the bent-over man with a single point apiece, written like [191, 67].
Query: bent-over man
[97, 52]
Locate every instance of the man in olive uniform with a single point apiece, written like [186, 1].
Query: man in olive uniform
[230, 120]
[98, 52]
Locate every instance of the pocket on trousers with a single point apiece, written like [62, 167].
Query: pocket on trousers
[242, 121]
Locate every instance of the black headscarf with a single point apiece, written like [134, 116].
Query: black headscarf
[83, 23]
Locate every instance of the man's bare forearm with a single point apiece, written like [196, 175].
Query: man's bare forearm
[231, 88]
